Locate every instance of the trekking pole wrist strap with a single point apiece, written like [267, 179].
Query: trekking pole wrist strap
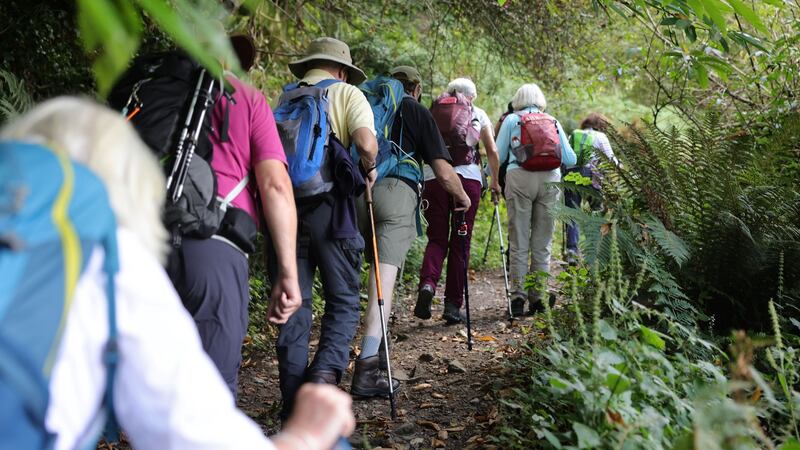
[365, 171]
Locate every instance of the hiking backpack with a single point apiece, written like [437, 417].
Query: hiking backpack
[304, 128]
[385, 96]
[583, 144]
[540, 145]
[168, 97]
[453, 115]
[53, 213]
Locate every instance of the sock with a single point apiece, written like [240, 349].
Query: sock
[369, 346]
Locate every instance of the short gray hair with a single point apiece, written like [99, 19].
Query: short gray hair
[463, 86]
[102, 140]
[529, 95]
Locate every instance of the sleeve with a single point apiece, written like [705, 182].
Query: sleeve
[485, 121]
[168, 394]
[430, 144]
[359, 113]
[568, 156]
[503, 140]
[602, 143]
[265, 142]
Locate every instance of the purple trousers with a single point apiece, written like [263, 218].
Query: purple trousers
[443, 239]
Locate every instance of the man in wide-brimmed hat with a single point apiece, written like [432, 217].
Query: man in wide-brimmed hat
[211, 275]
[328, 235]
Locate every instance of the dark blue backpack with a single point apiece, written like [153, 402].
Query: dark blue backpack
[53, 212]
[304, 128]
[385, 95]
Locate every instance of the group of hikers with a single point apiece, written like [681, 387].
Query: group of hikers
[145, 269]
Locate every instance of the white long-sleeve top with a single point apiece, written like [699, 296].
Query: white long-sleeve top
[167, 393]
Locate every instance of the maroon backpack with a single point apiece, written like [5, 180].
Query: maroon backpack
[453, 116]
[540, 146]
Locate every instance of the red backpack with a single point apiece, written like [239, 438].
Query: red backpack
[540, 146]
[453, 116]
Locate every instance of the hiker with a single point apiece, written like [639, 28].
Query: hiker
[166, 392]
[396, 208]
[509, 110]
[588, 141]
[462, 125]
[211, 275]
[533, 146]
[326, 183]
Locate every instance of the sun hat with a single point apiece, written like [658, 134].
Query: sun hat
[407, 73]
[245, 50]
[328, 49]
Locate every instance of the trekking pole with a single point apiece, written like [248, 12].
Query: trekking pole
[503, 257]
[379, 289]
[488, 238]
[462, 231]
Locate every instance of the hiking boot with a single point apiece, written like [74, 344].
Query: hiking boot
[424, 299]
[452, 314]
[517, 306]
[323, 377]
[535, 304]
[572, 257]
[369, 380]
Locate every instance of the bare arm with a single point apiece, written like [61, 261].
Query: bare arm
[277, 201]
[493, 158]
[449, 180]
[367, 146]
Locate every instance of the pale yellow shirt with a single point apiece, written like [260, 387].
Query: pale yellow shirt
[348, 109]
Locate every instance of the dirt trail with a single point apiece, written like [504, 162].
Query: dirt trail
[446, 396]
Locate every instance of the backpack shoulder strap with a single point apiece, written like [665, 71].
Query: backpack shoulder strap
[326, 83]
[225, 202]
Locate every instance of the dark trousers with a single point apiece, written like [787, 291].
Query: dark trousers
[211, 278]
[443, 239]
[339, 262]
[573, 200]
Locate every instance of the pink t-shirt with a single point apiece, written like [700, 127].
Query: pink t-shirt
[252, 138]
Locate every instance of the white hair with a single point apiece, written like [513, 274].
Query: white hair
[529, 95]
[463, 86]
[102, 140]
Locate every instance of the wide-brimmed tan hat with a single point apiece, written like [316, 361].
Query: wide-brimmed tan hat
[407, 73]
[328, 49]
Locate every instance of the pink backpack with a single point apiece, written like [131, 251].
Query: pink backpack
[540, 146]
[453, 116]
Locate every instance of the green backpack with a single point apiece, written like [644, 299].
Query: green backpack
[583, 144]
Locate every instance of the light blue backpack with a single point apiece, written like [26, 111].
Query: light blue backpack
[53, 213]
[304, 128]
[384, 95]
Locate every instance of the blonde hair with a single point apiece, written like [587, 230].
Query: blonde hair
[529, 95]
[102, 140]
[464, 86]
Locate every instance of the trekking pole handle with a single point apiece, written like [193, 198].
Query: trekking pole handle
[462, 226]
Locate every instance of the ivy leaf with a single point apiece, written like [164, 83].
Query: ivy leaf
[587, 437]
[617, 383]
[652, 337]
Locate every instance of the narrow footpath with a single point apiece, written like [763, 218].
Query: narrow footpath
[447, 395]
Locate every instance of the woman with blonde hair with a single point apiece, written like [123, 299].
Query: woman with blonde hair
[167, 393]
[531, 133]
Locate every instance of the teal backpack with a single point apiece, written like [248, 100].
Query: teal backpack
[384, 95]
[53, 213]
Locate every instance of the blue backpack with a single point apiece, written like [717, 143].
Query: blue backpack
[384, 95]
[53, 212]
[304, 128]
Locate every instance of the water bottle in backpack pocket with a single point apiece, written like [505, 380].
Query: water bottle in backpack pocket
[304, 128]
[540, 146]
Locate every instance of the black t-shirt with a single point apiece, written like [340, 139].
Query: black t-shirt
[421, 137]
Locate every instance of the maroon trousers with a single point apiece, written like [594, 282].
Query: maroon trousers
[443, 239]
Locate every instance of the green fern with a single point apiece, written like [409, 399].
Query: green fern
[14, 96]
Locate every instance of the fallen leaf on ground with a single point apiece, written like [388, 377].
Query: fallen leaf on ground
[436, 443]
[421, 387]
[437, 395]
[426, 405]
[427, 423]
[454, 429]
[486, 338]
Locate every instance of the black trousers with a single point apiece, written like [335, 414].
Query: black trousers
[211, 278]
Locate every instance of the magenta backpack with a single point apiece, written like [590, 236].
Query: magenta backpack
[453, 116]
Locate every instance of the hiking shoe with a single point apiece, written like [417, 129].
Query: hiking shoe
[369, 380]
[452, 314]
[323, 377]
[535, 305]
[517, 306]
[572, 257]
[424, 299]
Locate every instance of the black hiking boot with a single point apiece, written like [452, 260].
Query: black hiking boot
[323, 377]
[535, 304]
[424, 299]
[369, 380]
[517, 306]
[452, 314]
